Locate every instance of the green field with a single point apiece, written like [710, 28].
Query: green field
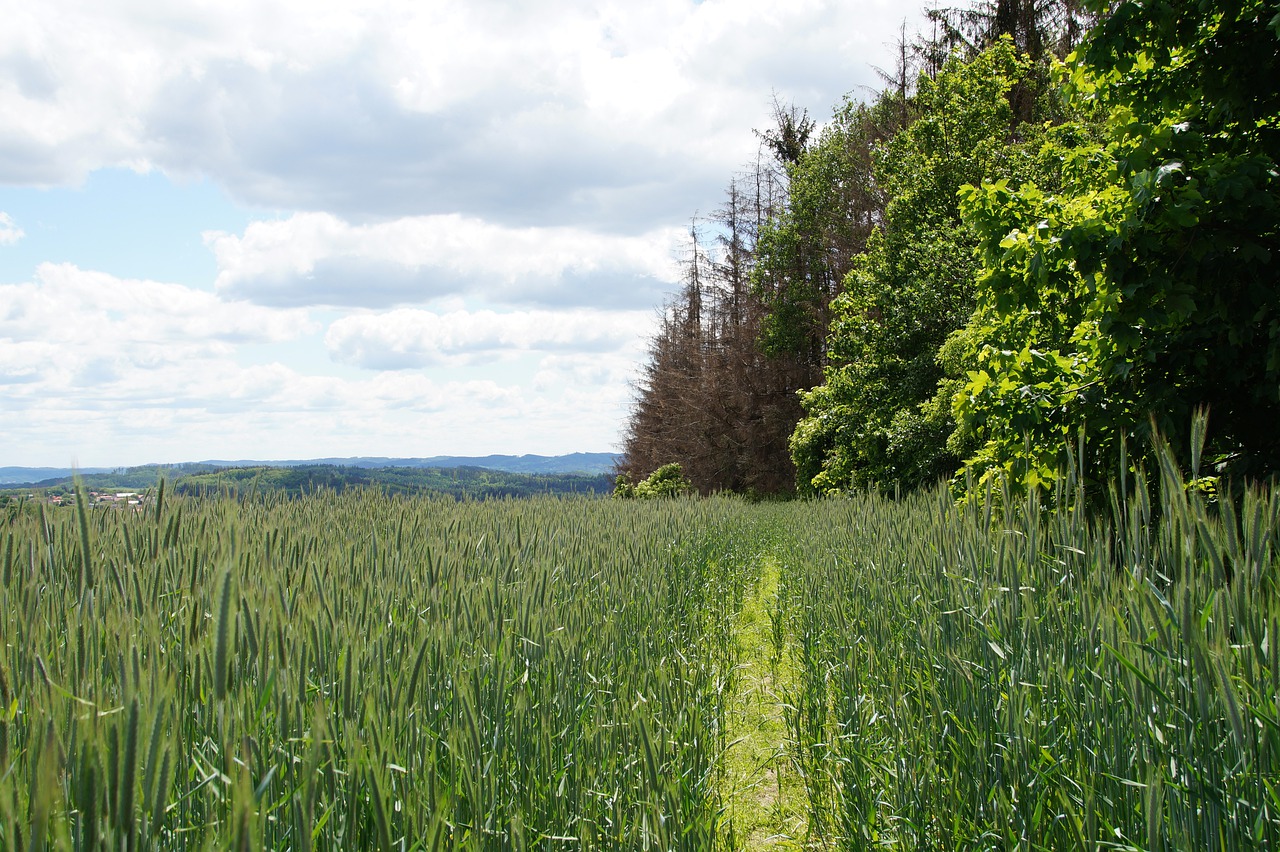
[363, 670]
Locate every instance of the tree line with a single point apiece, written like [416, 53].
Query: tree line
[1052, 231]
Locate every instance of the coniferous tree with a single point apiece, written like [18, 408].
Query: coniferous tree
[709, 399]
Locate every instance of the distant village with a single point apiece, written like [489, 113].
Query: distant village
[118, 499]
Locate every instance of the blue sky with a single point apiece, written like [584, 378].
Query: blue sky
[289, 230]
[134, 225]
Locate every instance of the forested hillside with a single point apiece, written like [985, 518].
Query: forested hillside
[473, 483]
[1056, 222]
[198, 478]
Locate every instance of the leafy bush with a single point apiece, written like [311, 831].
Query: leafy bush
[666, 481]
[624, 486]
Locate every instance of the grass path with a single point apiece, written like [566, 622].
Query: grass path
[765, 795]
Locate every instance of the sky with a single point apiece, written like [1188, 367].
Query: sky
[289, 230]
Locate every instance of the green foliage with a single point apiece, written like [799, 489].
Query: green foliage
[882, 416]
[1146, 288]
[666, 481]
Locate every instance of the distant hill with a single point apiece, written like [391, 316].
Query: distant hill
[29, 475]
[582, 463]
[476, 483]
[106, 478]
[586, 464]
[457, 482]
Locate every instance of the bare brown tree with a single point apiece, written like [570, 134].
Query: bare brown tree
[708, 397]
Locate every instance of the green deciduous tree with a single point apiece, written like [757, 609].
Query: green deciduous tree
[882, 415]
[1151, 286]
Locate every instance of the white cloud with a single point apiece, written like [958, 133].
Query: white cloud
[77, 333]
[116, 371]
[537, 157]
[607, 372]
[67, 305]
[213, 407]
[10, 233]
[316, 259]
[409, 338]
[608, 114]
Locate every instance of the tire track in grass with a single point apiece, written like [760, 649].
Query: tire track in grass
[765, 794]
